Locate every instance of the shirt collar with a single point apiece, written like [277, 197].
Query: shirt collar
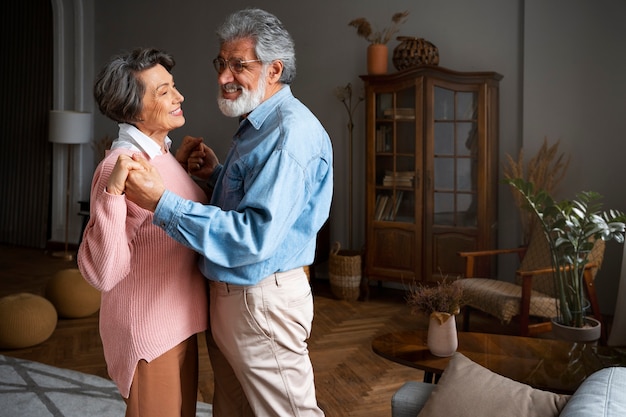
[132, 138]
[263, 110]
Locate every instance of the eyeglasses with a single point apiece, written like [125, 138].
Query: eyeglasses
[236, 65]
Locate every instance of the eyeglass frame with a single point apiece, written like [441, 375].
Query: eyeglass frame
[224, 63]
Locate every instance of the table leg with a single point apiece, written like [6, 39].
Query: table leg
[431, 377]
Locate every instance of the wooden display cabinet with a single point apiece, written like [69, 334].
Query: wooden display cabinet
[431, 171]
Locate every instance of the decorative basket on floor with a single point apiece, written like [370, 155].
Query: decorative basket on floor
[344, 270]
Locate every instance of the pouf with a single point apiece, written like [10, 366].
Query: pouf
[71, 295]
[25, 320]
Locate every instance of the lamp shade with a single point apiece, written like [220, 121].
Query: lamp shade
[70, 127]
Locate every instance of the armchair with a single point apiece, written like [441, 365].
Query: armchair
[531, 297]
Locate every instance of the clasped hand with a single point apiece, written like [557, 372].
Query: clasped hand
[138, 179]
[196, 158]
[142, 183]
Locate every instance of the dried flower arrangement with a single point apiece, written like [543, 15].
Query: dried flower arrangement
[364, 28]
[545, 171]
[445, 297]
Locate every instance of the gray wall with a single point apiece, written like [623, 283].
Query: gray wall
[560, 59]
[574, 90]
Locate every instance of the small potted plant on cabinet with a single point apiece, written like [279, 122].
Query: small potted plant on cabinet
[377, 51]
[572, 228]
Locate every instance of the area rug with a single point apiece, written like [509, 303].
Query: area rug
[32, 389]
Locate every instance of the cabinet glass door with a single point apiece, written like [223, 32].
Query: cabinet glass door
[455, 158]
[395, 156]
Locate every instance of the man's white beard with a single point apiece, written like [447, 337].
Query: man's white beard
[245, 103]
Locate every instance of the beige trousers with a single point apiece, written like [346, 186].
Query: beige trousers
[258, 347]
[167, 386]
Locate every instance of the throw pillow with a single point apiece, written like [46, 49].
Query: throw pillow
[468, 389]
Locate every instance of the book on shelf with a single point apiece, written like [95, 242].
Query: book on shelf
[381, 202]
[387, 207]
[388, 211]
[383, 139]
[399, 113]
[399, 196]
[397, 182]
[398, 178]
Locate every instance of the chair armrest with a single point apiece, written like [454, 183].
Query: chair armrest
[470, 257]
[541, 271]
[488, 252]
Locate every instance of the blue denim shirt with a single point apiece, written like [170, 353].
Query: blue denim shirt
[270, 198]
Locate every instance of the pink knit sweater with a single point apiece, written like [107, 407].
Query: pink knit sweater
[153, 294]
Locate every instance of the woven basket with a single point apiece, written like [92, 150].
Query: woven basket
[412, 52]
[344, 270]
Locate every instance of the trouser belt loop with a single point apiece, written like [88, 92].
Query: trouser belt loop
[227, 288]
[276, 280]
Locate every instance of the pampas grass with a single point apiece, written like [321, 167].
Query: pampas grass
[364, 28]
[545, 170]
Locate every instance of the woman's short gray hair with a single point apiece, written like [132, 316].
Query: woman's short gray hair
[272, 41]
[119, 91]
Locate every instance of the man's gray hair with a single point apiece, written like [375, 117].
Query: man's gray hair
[272, 41]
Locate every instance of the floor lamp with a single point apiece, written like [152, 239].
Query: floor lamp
[69, 128]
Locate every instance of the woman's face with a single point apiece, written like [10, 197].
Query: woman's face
[162, 110]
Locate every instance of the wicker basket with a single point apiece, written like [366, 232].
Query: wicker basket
[344, 270]
[412, 52]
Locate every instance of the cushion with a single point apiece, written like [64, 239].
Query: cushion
[600, 395]
[502, 299]
[410, 398]
[468, 389]
[71, 295]
[25, 320]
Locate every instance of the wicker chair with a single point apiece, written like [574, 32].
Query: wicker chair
[532, 294]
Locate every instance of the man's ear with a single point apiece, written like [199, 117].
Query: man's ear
[274, 71]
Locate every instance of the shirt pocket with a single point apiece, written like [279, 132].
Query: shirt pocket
[232, 192]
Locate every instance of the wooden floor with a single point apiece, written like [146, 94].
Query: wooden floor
[350, 379]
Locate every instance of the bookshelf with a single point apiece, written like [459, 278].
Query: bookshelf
[431, 171]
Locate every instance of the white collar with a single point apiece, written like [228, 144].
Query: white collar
[132, 138]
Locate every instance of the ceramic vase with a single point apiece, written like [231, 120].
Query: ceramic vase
[442, 337]
[377, 57]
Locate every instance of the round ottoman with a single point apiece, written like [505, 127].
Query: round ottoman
[71, 295]
[26, 320]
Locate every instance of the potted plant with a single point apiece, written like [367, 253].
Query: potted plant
[440, 303]
[377, 51]
[571, 228]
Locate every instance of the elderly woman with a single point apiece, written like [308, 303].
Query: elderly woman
[153, 295]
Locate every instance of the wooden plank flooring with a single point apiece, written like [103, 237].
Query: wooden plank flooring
[350, 379]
